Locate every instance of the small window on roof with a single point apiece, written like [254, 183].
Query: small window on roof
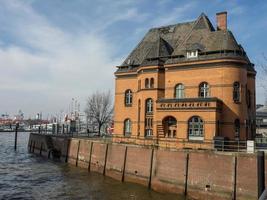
[192, 54]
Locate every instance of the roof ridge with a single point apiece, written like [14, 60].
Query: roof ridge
[193, 27]
[165, 26]
[135, 48]
[159, 41]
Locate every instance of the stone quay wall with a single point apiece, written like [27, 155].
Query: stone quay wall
[198, 174]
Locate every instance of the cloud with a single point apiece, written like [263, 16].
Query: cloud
[176, 14]
[48, 60]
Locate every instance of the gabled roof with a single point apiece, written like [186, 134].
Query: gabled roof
[170, 34]
[165, 44]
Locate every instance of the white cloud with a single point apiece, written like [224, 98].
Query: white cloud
[58, 64]
[175, 15]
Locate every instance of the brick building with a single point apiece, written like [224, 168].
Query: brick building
[186, 82]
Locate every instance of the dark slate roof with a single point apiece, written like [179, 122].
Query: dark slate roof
[169, 34]
[168, 44]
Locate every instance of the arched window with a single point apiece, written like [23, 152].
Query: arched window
[152, 83]
[149, 105]
[179, 91]
[236, 92]
[169, 126]
[204, 90]
[128, 97]
[127, 127]
[146, 83]
[195, 128]
[237, 128]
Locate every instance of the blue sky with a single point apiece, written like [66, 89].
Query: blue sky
[54, 50]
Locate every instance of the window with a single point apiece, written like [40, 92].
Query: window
[179, 91]
[152, 83]
[139, 84]
[149, 118]
[128, 97]
[149, 132]
[195, 128]
[204, 90]
[236, 92]
[237, 129]
[149, 122]
[148, 126]
[192, 54]
[149, 105]
[169, 126]
[127, 127]
[147, 83]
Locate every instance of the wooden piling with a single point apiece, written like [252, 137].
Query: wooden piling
[16, 136]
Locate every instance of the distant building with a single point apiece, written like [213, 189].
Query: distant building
[188, 82]
[261, 116]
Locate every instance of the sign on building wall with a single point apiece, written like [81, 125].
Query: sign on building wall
[250, 146]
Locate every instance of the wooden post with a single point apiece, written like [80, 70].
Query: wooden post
[90, 157]
[151, 168]
[106, 155]
[124, 164]
[67, 151]
[261, 172]
[77, 157]
[16, 136]
[186, 173]
[41, 149]
[30, 150]
[234, 176]
[33, 147]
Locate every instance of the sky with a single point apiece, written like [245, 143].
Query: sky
[54, 50]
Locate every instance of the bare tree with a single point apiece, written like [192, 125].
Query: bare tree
[99, 108]
[262, 73]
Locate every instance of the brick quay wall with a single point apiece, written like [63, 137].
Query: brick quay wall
[199, 174]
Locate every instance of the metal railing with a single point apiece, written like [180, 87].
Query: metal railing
[178, 143]
[167, 143]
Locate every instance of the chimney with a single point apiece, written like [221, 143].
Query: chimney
[221, 20]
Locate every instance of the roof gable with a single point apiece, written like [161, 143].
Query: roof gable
[168, 44]
[168, 36]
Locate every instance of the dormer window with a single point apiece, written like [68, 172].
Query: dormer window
[192, 54]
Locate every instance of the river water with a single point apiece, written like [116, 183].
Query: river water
[27, 176]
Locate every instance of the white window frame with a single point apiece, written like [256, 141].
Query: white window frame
[195, 128]
[128, 97]
[192, 54]
[127, 127]
[149, 132]
[205, 89]
[149, 105]
[179, 91]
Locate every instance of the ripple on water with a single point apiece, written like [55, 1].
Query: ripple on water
[27, 176]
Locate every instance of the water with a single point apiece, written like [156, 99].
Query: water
[27, 176]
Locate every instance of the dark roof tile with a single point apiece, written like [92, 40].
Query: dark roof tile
[161, 43]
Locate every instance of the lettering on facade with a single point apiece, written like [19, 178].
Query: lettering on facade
[185, 105]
